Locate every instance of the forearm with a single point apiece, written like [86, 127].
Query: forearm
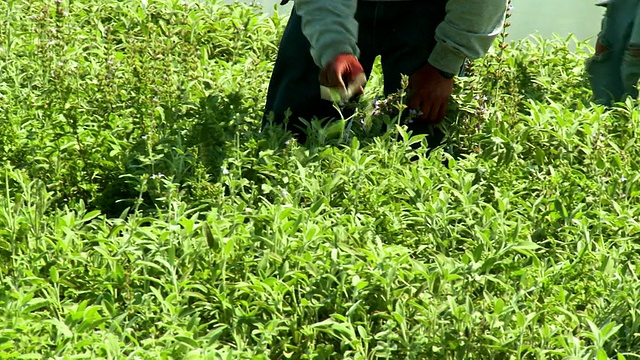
[330, 27]
[468, 30]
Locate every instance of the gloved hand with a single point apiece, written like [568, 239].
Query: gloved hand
[600, 48]
[429, 91]
[340, 71]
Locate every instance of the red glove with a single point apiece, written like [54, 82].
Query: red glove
[340, 71]
[429, 91]
[600, 48]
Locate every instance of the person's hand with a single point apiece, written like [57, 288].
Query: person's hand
[600, 47]
[340, 71]
[429, 92]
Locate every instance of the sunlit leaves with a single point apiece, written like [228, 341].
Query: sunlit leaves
[231, 243]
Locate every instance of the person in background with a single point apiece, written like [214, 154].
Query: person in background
[333, 42]
[614, 69]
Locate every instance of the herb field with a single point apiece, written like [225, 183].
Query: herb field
[143, 215]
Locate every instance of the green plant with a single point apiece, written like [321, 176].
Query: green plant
[144, 215]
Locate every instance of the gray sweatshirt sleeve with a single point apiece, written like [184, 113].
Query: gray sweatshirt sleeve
[330, 26]
[468, 30]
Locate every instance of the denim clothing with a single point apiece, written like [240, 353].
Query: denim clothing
[401, 32]
[614, 73]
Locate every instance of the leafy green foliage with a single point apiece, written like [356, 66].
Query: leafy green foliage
[144, 215]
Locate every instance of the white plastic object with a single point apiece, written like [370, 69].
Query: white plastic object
[345, 94]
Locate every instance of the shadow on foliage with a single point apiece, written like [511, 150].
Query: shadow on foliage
[189, 152]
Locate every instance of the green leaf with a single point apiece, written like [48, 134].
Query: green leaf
[228, 246]
[61, 327]
[525, 247]
[35, 304]
[188, 341]
[213, 244]
[53, 274]
[499, 305]
[602, 355]
[4, 245]
[91, 215]
[30, 356]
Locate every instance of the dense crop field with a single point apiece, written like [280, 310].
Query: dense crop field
[143, 215]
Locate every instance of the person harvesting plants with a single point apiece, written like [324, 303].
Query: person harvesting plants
[614, 69]
[334, 43]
